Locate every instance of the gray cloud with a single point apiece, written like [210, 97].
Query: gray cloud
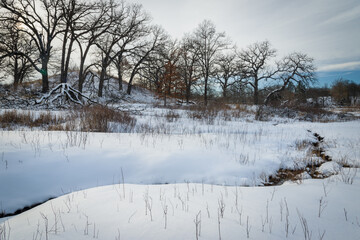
[341, 66]
[328, 30]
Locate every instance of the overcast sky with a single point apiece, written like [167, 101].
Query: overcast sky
[328, 30]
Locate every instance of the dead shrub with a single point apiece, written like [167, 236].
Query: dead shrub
[55, 128]
[28, 119]
[14, 118]
[207, 113]
[310, 109]
[46, 118]
[99, 119]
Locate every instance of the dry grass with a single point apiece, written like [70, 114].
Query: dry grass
[87, 119]
[310, 109]
[12, 118]
[100, 119]
[284, 175]
[172, 116]
[207, 113]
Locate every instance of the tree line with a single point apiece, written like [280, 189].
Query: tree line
[342, 92]
[119, 38]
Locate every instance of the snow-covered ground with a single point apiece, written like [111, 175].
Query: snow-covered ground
[317, 209]
[185, 165]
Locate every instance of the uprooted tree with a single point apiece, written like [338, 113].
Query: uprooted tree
[63, 93]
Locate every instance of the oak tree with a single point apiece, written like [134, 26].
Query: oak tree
[209, 43]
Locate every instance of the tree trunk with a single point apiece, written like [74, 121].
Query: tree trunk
[256, 96]
[16, 73]
[187, 94]
[224, 92]
[158, 85]
[120, 77]
[205, 93]
[63, 53]
[256, 92]
[225, 86]
[45, 76]
[45, 82]
[133, 73]
[128, 91]
[101, 81]
[81, 76]
[67, 62]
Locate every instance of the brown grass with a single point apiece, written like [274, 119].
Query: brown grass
[206, 113]
[311, 109]
[99, 119]
[11, 118]
[283, 175]
[88, 119]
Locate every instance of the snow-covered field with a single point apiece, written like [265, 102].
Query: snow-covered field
[180, 172]
[172, 211]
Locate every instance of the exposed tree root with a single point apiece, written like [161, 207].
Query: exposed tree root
[63, 94]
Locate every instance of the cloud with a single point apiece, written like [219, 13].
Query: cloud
[325, 29]
[341, 66]
[344, 17]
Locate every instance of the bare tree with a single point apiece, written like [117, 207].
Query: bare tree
[171, 84]
[135, 29]
[122, 66]
[153, 42]
[209, 43]
[13, 40]
[40, 20]
[227, 71]
[95, 26]
[255, 65]
[152, 71]
[74, 22]
[107, 41]
[129, 27]
[296, 68]
[188, 65]
[160, 71]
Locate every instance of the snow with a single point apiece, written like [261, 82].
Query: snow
[342, 141]
[329, 168]
[55, 98]
[187, 164]
[106, 213]
[237, 153]
[74, 160]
